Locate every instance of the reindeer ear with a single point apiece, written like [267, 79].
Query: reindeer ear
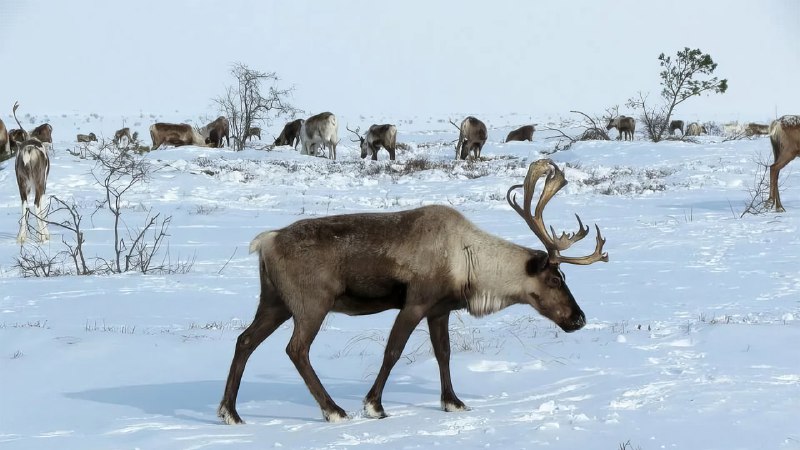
[537, 263]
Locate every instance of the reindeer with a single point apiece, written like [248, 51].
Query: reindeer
[215, 131]
[317, 132]
[377, 136]
[252, 132]
[87, 137]
[676, 125]
[122, 133]
[523, 133]
[5, 140]
[784, 135]
[625, 125]
[43, 133]
[426, 262]
[175, 134]
[695, 129]
[472, 136]
[290, 135]
[756, 129]
[32, 167]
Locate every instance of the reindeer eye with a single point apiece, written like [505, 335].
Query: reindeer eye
[554, 281]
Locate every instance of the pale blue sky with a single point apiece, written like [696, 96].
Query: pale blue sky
[415, 57]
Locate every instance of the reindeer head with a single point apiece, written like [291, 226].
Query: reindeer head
[548, 292]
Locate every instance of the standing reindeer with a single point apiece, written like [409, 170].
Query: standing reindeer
[523, 133]
[5, 140]
[32, 167]
[426, 262]
[625, 125]
[676, 125]
[317, 132]
[377, 136]
[784, 135]
[472, 136]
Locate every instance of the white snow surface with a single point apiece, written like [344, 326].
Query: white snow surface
[691, 339]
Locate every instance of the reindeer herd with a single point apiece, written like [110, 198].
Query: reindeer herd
[425, 262]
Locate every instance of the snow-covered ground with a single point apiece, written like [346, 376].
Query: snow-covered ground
[691, 341]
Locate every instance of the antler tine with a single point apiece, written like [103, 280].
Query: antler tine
[598, 254]
[564, 241]
[534, 221]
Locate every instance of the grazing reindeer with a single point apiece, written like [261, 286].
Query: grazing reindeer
[676, 125]
[16, 137]
[784, 135]
[5, 140]
[377, 136]
[426, 262]
[215, 131]
[43, 133]
[625, 125]
[472, 136]
[317, 132]
[523, 133]
[32, 167]
[176, 134]
[122, 133]
[695, 129]
[756, 129]
[87, 137]
[252, 132]
[290, 135]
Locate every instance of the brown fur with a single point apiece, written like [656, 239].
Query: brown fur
[175, 134]
[471, 138]
[44, 133]
[426, 262]
[784, 135]
[317, 132]
[625, 125]
[86, 137]
[523, 133]
[216, 130]
[290, 135]
[379, 136]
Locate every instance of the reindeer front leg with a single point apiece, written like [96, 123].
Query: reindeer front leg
[408, 319]
[438, 326]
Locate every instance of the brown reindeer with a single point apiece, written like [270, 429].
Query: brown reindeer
[317, 132]
[86, 137]
[784, 135]
[32, 166]
[251, 133]
[122, 133]
[472, 136]
[676, 125]
[43, 133]
[756, 129]
[5, 141]
[175, 134]
[625, 125]
[426, 262]
[290, 135]
[377, 136]
[523, 133]
[215, 131]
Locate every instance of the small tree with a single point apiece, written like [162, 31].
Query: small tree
[245, 105]
[679, 82]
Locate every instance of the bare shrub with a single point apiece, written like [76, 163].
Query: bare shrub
[758, 191]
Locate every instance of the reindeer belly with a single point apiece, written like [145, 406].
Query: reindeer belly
[370, 296]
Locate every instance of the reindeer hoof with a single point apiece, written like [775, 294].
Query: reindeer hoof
[337, 415]
[374, 411]
[454, 405]
[231, 417]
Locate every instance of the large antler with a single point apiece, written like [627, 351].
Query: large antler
[554, 245]
[357, 132]
[14, 111]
